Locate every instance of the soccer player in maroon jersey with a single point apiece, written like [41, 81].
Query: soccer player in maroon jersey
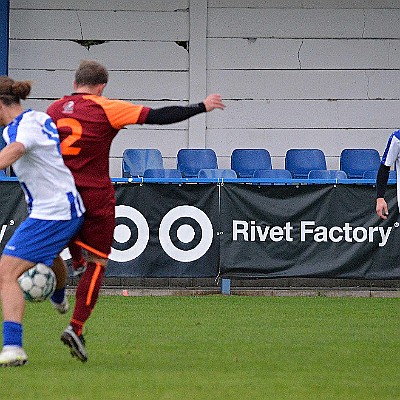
[87, 123]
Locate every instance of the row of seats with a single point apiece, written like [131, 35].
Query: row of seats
[191, 163]
[252, 163]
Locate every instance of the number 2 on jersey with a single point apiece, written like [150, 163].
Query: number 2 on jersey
[76, 133]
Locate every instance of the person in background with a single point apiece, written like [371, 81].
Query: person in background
[390, 157]
[55, 210]
[87, 123]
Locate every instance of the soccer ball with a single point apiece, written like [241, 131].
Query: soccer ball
[38, 283]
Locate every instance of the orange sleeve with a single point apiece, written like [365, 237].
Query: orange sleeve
[120, 113]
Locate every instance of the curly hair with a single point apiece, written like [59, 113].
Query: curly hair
[11, 92]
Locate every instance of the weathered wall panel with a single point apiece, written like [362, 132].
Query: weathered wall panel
[261, 53]
[99, 25]
[345, 4]
[126, 85]
[285, 23]
[125, 55]
[303, 74]
[291, 84]
[121, 5]
[328, 114]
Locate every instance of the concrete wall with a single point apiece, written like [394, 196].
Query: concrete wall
[293, 73]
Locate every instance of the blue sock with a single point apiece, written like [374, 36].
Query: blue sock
[58, 295]
[12, 333]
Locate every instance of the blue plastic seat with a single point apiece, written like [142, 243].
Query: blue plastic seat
[272, 173]
[356, 161]
[136, 161]
[245, 161]
[162, 173]
[217, 173]
[301, 161]
[371, 174]
[191, 161]
[2, 173]
[327, 174]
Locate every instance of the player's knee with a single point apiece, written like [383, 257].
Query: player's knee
[97, 259]
[6, 277]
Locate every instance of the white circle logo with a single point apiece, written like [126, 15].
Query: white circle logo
[186, 233]
[122, 234]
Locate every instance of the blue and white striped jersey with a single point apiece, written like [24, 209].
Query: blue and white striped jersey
[48, 184]
[391, 156]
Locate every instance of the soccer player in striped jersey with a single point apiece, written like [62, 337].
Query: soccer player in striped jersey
[87, 123]
[55, 210]
[390, 156]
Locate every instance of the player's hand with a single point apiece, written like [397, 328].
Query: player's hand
[213, 101]
[382, 208]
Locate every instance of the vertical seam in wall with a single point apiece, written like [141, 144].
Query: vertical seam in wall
[80, 23]
[367, 77]
[364, 23]
[298, 53]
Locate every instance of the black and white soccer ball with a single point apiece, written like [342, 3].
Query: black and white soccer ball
[38, 283]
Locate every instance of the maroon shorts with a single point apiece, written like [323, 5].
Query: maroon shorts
[97, 232]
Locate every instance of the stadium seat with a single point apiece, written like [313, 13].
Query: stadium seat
[301, 161]
[2, 173]
[356, 161]
[217, 173]
[191, 161]
[373, 173]
[162, 173]
[245, 161]
[272, 173]
[327, 174]
[136, 161]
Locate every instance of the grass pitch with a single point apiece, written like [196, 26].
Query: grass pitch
[215, 347]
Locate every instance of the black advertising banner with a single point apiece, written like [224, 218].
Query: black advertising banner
[202, 230]
[13, 210]
[329, 231]
[165, 230]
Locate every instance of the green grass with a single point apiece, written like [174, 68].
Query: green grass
[215, 347]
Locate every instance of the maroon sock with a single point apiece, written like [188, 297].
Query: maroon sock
[87, 293]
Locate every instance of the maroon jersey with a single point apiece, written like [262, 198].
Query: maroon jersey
[87, 124]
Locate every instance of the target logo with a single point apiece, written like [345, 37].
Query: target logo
[185, 234]
[131, 234]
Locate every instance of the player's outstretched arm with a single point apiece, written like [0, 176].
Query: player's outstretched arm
[172, 114]
[213, 101]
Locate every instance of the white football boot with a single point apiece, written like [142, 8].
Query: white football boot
[13, 356]
[62, 307]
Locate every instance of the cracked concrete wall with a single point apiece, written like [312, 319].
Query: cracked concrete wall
[143, 44]
[297, 74]
[293, 73]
